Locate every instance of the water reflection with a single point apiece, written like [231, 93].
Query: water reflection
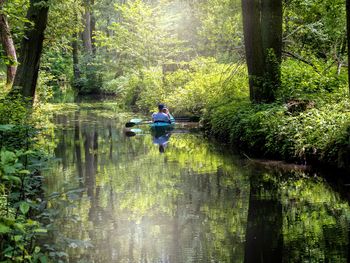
[161, 138]
[193, 203]
[264, 238]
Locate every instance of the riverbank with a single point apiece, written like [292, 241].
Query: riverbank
[299, 131]
[24, 212]
[309, 123]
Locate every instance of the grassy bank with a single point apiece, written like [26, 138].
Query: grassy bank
[316, 134]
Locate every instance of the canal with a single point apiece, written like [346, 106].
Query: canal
[121, 199]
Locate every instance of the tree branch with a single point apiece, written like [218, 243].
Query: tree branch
[298, 57]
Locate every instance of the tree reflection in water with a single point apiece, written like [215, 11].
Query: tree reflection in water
[193, 203]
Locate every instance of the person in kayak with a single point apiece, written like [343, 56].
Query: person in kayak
[166, 111]
[161, 116]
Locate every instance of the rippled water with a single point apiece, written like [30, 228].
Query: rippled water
[122, 200]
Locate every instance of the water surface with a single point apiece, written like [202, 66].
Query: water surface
[122, 200]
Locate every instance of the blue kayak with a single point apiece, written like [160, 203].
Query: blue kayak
[163, 125]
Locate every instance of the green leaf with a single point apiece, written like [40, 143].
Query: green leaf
[24, 172]
[37, 250]
[6, 127]
[20, 227]
[14, 179]
[7, 157]
[40, 230]
[43, 259]
[4, 229]
[18, 237]
[24, 207]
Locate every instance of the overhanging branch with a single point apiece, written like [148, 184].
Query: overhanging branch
[298, 57]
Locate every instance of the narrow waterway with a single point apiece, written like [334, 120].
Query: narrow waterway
[121, 199]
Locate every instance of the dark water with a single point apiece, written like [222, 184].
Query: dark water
[121, 200]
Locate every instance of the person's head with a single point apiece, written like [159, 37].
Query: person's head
[161, 107]
[165, 110]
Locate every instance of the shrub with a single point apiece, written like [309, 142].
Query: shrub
[317, 134]
[301, 81]
[205, 85]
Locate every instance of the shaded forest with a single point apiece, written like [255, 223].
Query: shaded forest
[266, 77]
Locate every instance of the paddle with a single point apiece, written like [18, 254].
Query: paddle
[132, 132]
[134, 122]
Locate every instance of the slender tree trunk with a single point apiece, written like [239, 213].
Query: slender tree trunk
[348, 36]
[31, 48]
[87, 33]
[92, 26]
[75, 53]
[262, 23]
[8, 46]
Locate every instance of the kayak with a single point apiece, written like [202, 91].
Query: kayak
[152, 125]
[163, 125]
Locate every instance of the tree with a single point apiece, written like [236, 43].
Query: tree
[315, 33]
[262, 24]
[348, 35]
[31, 48]
[88, 26]
[8, 45]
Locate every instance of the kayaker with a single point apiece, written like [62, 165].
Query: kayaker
[160, 116]
[166, 111]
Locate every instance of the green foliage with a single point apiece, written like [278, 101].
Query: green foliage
[21, 189]
[310, 122]
[194, 88]
[316, 134]
[220, 29]
[21, 202]
[16, 12]
[209, 83]
[151, 91]
[301, 81]
[65, 20]
[91, 77]
[13, 111]
[316, 28]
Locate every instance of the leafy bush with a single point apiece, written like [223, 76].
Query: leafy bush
[317, 134]
[20, 184]
[208, 84]
[115, 86]
[193, 88]
[151, 90]
[301, 81]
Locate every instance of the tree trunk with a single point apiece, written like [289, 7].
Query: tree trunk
[8, 46]
[262, 23]
[253, 44]
[87, 37]
[348, 36]
[75, 53]
[92, 26]
[31, 48]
